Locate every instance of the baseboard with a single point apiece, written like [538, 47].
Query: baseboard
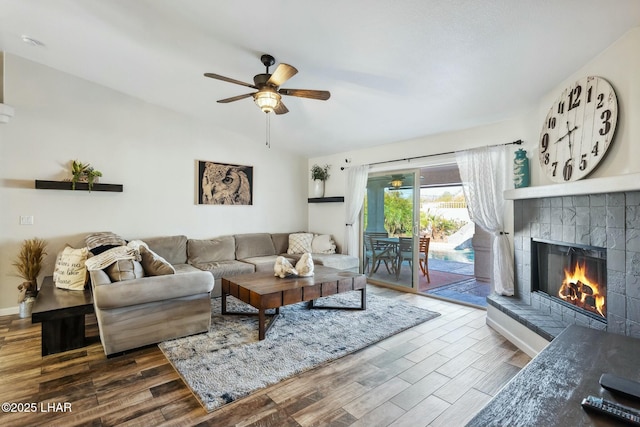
[518, 334]
[9, 310]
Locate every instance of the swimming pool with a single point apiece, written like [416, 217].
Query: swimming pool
[466, 255]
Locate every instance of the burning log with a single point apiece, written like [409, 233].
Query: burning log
[578, 290]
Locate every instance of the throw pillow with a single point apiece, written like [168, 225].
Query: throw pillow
[153, 264]
[70, 271]
[124, 269]
[102, 241]
[300, 243]
[323, 244]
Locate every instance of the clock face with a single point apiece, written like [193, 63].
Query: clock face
[578, 129]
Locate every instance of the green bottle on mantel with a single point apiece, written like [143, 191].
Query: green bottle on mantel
[521, 169]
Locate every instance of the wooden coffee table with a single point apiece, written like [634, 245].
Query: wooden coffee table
[266, 291]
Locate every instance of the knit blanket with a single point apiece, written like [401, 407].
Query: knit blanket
[110, 256]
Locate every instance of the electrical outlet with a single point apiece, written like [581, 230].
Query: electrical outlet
[26, 220]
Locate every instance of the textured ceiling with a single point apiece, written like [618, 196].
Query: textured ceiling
[395, 69]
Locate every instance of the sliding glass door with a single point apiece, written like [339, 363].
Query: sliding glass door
[390, 228]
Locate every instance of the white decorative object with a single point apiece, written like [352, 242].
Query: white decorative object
[283, 268]
[26, 307]
[318, 188]
[304, 266]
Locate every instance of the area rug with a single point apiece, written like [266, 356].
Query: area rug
[229, 362]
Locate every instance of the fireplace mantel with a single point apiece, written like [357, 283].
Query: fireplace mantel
[611, 184]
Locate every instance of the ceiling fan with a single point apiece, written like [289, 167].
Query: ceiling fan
[268, 85]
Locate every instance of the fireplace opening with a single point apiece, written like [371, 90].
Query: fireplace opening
[576, 275]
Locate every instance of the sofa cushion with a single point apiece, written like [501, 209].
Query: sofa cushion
[153, 264]
[171, 248]
[280, 242]
[264, 263]
[124, 269]
[211, 250]
[226, 268]
[323, 244]
[339, 261]
[184, 268]
[253, 245]
[300, 243]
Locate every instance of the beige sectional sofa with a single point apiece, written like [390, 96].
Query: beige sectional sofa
[146, 310]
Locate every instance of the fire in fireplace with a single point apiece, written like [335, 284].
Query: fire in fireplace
[578, 289]
[576, 274]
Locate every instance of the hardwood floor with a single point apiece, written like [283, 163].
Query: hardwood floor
[439, 373]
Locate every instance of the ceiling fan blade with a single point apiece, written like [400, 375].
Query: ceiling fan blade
[230, 80]
[282, 73]
[307, 93]
[280, 108]
[235, 98]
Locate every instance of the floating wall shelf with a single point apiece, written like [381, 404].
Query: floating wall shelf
[80, 186]
[326, 199]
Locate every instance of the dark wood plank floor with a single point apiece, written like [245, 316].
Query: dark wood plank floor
[439, 373]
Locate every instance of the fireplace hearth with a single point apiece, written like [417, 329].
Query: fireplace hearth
[574, 275]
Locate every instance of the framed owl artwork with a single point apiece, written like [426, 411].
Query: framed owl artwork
[224, 184]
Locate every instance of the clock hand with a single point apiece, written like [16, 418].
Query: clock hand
[568, 133]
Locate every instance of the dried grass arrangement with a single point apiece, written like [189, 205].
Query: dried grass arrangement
[28, 265]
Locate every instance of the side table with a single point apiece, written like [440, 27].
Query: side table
[61, 313]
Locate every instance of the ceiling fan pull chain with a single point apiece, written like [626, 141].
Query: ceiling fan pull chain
[268, 136]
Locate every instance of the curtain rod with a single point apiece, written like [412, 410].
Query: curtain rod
[408, 159]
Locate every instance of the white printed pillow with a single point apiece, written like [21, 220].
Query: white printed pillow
[70, 271]
[300, 243]
[323, 244]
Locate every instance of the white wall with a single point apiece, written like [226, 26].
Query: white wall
[619, 64]
[150, 150]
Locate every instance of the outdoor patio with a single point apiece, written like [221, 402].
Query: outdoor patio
[449, 279]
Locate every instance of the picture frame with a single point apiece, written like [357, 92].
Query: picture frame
[224, 183]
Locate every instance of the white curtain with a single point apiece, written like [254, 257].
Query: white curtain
[356, 187]
[484, 174]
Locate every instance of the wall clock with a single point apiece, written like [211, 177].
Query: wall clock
[578, 129]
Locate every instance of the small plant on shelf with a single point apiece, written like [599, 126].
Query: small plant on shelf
[320, 172]
[82, 172]
[28, 265]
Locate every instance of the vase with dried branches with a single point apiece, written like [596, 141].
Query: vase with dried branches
[28, 265]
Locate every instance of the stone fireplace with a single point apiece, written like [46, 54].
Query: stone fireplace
[606, 227]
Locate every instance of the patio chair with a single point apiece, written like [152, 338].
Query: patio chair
[405, 252]
[368, 252]
[424, 257]
[380, 252]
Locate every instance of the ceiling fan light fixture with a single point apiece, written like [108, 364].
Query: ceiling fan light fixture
[396, 183]
[267, 100]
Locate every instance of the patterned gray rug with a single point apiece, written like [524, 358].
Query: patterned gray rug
[229, 362]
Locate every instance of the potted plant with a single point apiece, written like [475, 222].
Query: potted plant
[319, 174]
[83, 173]
[28, 265]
